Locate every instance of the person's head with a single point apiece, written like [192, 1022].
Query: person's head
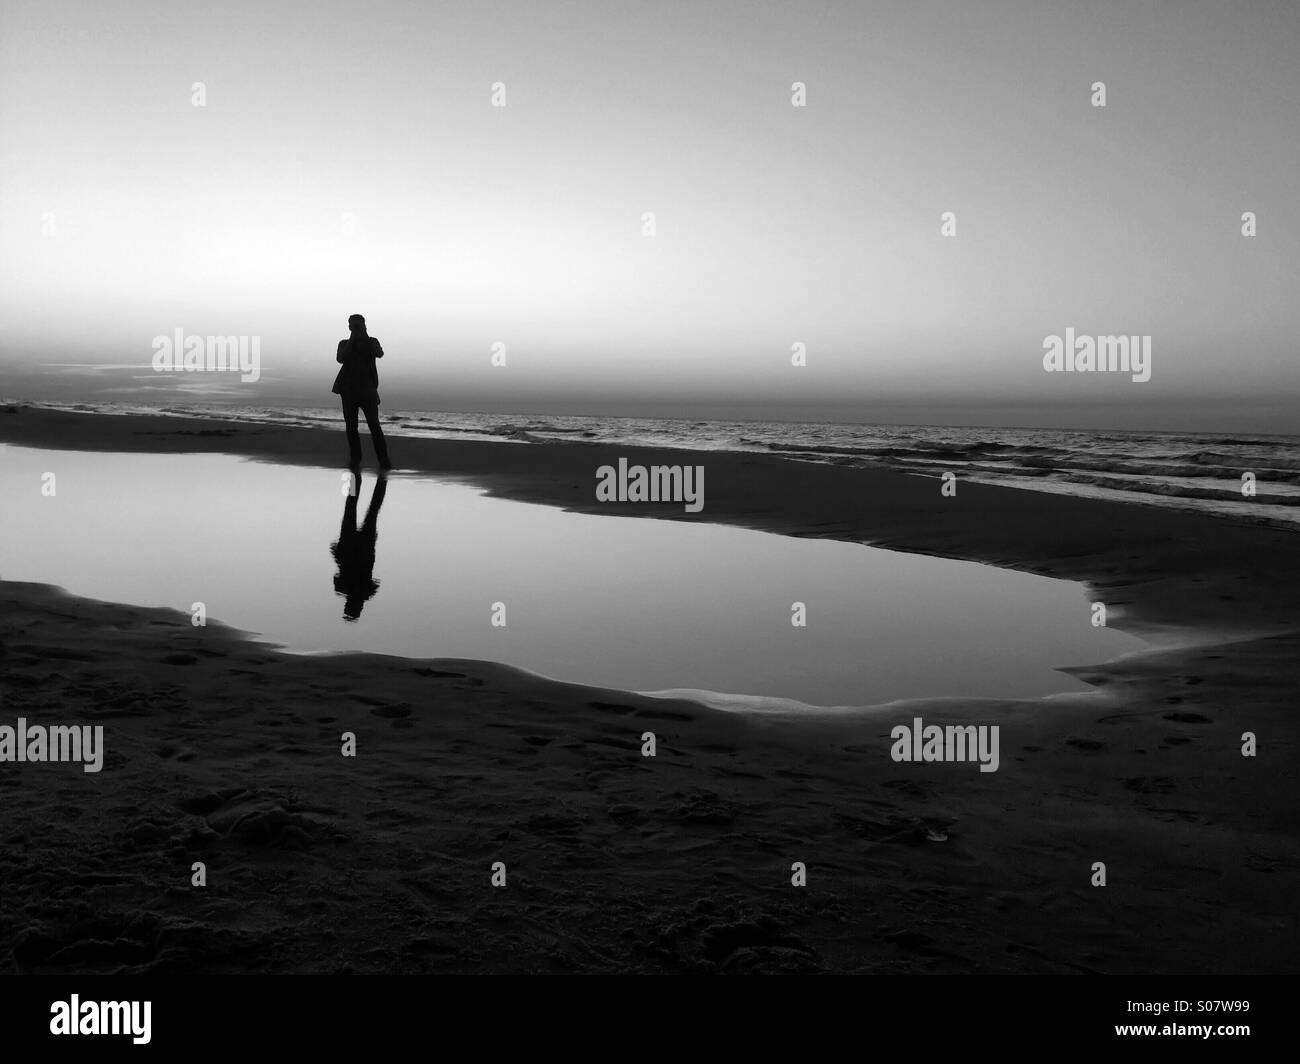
[357, 323]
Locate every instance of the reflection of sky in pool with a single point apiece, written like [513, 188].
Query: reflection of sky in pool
[639, 604]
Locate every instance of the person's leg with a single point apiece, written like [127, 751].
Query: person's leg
[371, 407]
[350, 424]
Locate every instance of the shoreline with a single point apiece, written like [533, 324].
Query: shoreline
[1091, 478]
[224, 750]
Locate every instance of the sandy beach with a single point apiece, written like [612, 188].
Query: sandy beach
[225, 751]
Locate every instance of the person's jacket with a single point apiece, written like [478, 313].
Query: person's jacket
[358, 375]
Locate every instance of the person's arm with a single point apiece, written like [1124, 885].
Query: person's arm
[379, 351]
[339, 356]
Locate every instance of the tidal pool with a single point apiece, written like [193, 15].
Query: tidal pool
[634, 603]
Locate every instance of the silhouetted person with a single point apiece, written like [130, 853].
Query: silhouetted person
[355, 550]
[357, 384]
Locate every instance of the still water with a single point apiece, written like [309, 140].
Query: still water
[638, 604]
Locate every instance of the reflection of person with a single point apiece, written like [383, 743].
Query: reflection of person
[357, 384]
[355, 550]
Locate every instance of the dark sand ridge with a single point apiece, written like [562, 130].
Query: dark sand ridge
[226, 751]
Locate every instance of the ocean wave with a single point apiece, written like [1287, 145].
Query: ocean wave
[1225, 493]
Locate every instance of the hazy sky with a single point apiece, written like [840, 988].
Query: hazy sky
[349, 159]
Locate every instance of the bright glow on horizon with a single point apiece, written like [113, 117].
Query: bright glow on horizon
[775, 224]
